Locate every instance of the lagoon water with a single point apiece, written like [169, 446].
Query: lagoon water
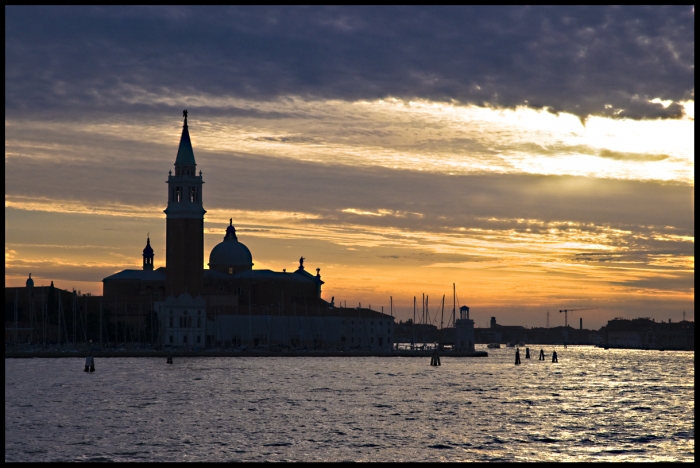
[593, 405]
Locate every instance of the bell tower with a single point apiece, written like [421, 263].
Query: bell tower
[184, 257]
[148, 255]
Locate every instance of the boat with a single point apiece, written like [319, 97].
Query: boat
[510, 345]
[494, 345]
[521, 344]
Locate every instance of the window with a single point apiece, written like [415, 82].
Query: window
[371, 340]
[199, 339]
[372, 322]
[171, 339]
[184, 339]
[230, 270]
[171, 323]
[199, 322]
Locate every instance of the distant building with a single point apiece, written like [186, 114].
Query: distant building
[516, 334]
[500, 333]
[32, 315]
[644, 333]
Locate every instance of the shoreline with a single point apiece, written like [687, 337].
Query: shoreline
[221, 353]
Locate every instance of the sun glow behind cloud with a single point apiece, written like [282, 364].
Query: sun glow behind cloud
[461, 139]
[421, 136]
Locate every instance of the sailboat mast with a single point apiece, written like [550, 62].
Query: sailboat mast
[442, 316]
[425, 313]
[59, 319]
[423, 310]
[16, 311]
[73, 305]
[413, 328]
[454, 305]
[43, 315]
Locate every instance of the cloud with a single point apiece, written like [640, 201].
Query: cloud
[618, 155]
[379, 196]
[663, 285]
[615, 61]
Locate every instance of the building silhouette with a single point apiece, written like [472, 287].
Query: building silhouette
[182, 304]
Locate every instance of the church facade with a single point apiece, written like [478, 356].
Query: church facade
[230, 303]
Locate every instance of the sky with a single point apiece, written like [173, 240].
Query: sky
[538, 158]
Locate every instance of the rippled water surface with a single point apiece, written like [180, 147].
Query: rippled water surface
[595, 405]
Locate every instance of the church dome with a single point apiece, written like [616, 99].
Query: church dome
[230, 256]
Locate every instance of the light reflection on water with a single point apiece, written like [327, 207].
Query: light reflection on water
[594, 405]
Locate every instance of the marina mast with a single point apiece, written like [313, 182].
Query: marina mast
[413, 327]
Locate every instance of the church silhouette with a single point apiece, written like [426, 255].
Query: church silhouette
[230, 303]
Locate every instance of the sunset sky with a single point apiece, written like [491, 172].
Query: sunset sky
[538, 158]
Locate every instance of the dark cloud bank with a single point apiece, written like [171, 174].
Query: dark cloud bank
[587, 61]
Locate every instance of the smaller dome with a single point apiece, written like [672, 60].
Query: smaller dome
[30, 281]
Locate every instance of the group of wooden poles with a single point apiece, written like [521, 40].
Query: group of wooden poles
[527, 355]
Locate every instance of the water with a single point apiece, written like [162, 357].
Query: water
[594, 405]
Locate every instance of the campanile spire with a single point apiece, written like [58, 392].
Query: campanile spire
[184, 162]
[185, 222]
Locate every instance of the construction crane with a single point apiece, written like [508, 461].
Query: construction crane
[566, 314]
